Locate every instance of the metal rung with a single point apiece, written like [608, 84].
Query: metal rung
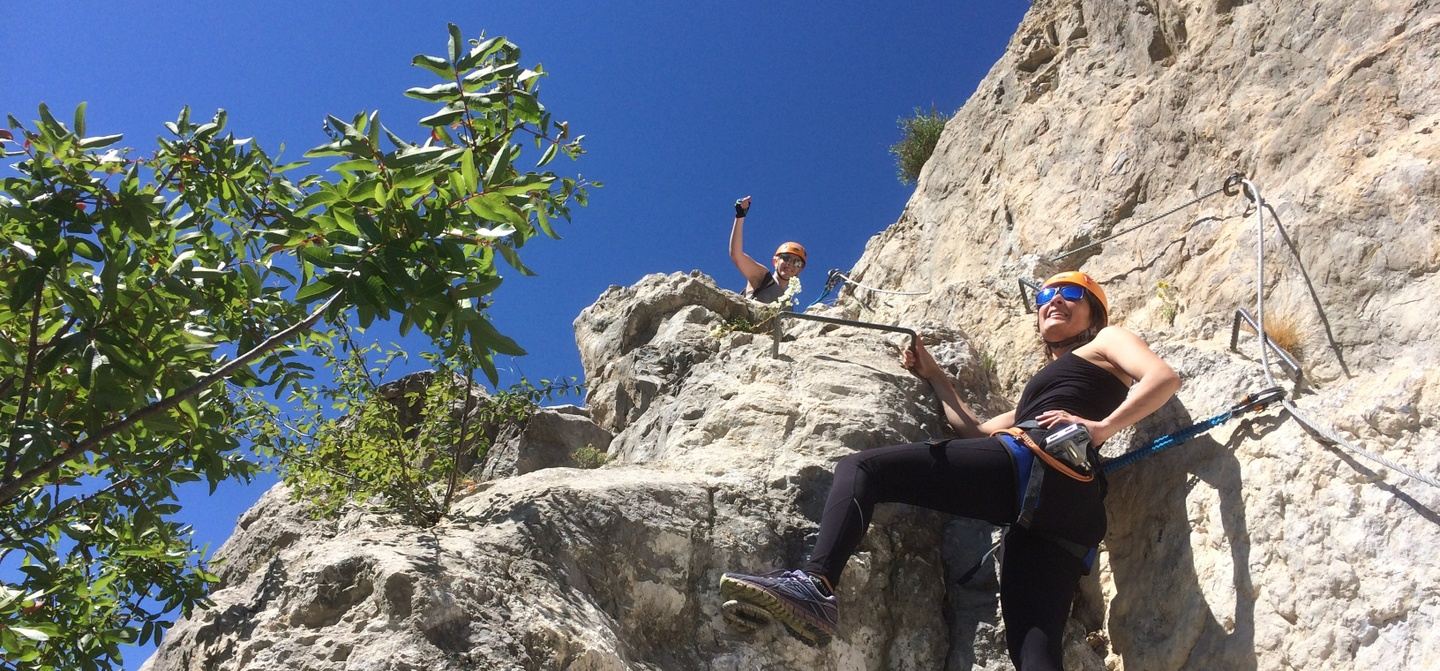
[1292, 367]
[1025, 299]
[779, 330]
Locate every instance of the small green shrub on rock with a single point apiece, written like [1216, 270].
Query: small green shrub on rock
[919, 135]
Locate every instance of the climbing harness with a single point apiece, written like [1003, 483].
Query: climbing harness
[1058, 459]
[1255, 402]
[779, 330]
[1029, 480]
[1320, 433]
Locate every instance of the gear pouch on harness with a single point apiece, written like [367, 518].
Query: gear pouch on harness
[1064, 450]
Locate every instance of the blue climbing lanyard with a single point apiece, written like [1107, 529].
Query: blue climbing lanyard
[1251, 403]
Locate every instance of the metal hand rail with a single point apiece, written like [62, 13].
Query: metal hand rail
[779, 330]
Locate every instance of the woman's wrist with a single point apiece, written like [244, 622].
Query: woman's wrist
[1100, 431]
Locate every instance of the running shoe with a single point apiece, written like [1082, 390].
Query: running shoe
[790, 597]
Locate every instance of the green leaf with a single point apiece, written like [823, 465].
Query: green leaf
[529, 184]
[505, 211]
[435, 64]
[486, 362]
[355, 165]
[321, 287]
[501, 231]
[512, 257]
[469, 175]
[543, 221]
[48, 120]
[31, 279]
[481, 51]
[85, 248]
[322, 197]
[484, 76]
[416, 156]
[442, 118]
[99, 141]
[369, 228]
[396, 140]
[549, 155]
[25, 249]
[32, 634]
[457, 42]
[79, 124]
[180, 260]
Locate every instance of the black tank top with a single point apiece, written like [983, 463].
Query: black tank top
[1075, 385]
[1071, 509]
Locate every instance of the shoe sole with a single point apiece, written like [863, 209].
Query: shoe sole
[743, 615]
[758, 597]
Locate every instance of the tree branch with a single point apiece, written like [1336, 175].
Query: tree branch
[10, 489]
[12, 460]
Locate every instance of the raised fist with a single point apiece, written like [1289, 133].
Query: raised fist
[742, 207]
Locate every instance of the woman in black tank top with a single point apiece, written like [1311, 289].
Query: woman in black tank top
[1099, 376]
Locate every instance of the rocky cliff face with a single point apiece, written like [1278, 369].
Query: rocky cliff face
[1251, 548]
[1260, 548]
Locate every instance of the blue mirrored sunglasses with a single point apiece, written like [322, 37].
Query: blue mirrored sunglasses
[1069, 292]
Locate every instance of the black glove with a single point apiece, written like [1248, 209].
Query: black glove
[740, 210]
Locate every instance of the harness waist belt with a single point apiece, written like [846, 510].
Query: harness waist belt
[1018, 433]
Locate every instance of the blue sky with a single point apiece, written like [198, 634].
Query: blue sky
[685, 106]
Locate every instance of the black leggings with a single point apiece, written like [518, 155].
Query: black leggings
[972, 478]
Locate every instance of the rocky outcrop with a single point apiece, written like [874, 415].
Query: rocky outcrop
[1252, 547]
[557, 437]
[616, 567]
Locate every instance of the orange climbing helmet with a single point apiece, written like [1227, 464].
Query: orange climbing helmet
[793, 248]
[1081, 279]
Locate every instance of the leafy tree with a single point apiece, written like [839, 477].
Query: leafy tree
[402, 445]
[918, 136]
[144, 291]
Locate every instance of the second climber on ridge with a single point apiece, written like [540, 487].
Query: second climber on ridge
[762, 284]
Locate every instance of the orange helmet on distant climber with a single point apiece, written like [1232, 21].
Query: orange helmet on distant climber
[1081, 279]
[793, 248]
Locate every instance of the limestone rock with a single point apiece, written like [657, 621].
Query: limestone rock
[626, 364]
[617, 567]
[551, 438]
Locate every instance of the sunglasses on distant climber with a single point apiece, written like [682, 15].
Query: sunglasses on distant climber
[1070, 292]
[791, 258]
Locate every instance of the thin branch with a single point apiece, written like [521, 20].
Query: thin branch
[78, 502]
[12, 460]
[10, 489]
[459, 441]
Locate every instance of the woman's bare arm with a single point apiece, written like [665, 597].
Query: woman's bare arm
[752, 270]
[958, 414]
[1155, 383]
